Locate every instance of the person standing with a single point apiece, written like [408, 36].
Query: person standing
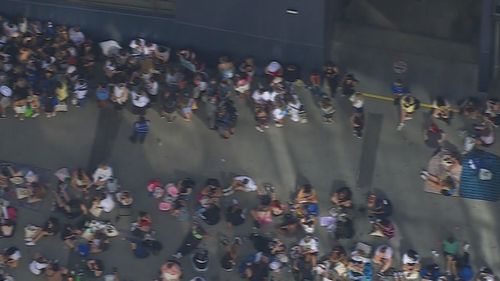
[357, 123]
[211, 110]
[141, 129]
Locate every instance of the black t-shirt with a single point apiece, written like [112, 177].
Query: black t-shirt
[234, 215]
[433, 138]
[212, 215]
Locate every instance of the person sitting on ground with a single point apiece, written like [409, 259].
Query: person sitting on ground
[95, 267]
[124, 198]
[211, 193]
[39, 264]
[310, 248]
[106, 202]
[226, 67]
[234, 215]
[378, 208]
[289, 225]
[306, 195]
[342, 197]
[407, 106]
[99, 243]
[441, 109]
[69, 234]
[243, 183]
[210, 214]
[308, 224]
[492, 111]
[72, 208]
[10, 257]
[144, 222]
[383, 258]
[434, 136]
[102, 175]
[411, 264]
[485, 133]
[50, 228]
[55, 272]
[80, 181]
[446, 186]
[383, 228]
[262, 215]
[186, 187]
[228, 260]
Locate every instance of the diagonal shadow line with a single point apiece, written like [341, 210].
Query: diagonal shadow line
[108, 126]
[369, 150]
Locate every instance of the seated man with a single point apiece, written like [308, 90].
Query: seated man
[383, 258]
[102, 175]
[124, 198]
[342, 197]
[309, 246]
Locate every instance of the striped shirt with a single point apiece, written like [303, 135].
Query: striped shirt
[141, 127]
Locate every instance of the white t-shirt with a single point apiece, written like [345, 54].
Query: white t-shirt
[259, 97]
[311, 246]
[103, 174]
[36, 267]
[278, 113]
[357, 102]
[250, 185]
[139, 100]
[388, 252]
[107, 204]
[15, 256]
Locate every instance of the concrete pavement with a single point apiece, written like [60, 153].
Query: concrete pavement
[325, 155]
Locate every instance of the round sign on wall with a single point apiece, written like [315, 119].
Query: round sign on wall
[400, 67]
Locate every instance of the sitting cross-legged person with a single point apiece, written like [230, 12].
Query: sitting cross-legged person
[342, 197]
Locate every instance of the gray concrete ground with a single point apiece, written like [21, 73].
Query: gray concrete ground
[325, 155]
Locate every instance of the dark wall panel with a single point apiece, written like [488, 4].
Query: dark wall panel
[231, 27]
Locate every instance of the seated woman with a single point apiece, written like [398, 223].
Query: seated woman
[211, 193]
[470, 108]
[186, 186]
[144, 222]
[411, 264]
[10, 257]
[383, 228]
[383, 258]
[309, 246]
[38, 192]
[69, 234]
[72, 208]
[55, 272]
[262, 215]
[306, 195]
[342, 197]
[102, 175]
[308, 224]
[95, 267]
[485, 133]
[226, 67]
[289, 225]
[99, 243]
[441, 109]
[80, 181]
[50, 228]
[446, 185]
[124, 198]
[247, 67]
[243, 183]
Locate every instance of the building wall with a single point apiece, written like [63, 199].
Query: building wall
[238, 28]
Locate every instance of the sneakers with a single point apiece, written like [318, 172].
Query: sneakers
[29, 243]
[466, 247]
[177, 255]
[435, 253]
[424, 174]
[400, 126]
[258, 128]
[279, 125]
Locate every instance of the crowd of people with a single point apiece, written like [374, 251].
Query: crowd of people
[46, 69]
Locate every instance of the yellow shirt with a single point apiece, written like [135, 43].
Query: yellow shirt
[62, 93]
